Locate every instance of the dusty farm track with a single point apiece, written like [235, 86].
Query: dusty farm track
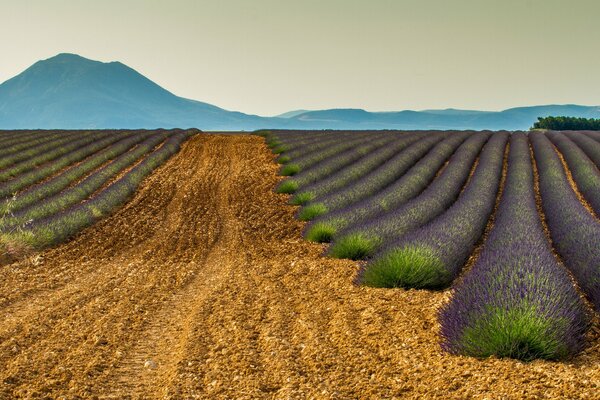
[203, 288]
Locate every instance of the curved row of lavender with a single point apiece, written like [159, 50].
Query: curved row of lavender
[433, 255]
[362, 241]
[295, 146]
[352, 172]
[309, 182]
[61, 226]
[26, 179]
[83, 162]
[593, 134]
[310, 158]
[517, 300]
[364, 179]
[82, 190]
[409, 185]
[585, 173]
[574, 230]
[589, 146]
[365, 161]
[23, 149]
[26, 160]
[20, 139]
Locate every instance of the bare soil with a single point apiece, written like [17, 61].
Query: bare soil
[202, 287]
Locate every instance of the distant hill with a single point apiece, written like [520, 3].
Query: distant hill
[291, 114]
[71, 92]
[511, 119]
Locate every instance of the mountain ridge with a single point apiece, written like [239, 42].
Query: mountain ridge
[68, 91]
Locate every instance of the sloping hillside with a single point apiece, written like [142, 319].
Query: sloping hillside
[69, 91]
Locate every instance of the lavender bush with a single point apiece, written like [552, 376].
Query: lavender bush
[516, 301]
[413, 182]
[432, 256]
[363, 240]
[585, 173]
[379, 147]
[364, 179]
[574, 230]
[589, 146]
[310, 158]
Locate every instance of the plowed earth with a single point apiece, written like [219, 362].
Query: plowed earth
[202, 287]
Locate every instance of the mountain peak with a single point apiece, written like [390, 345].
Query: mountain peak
[67, 57]
[77, 61]
[71, 91]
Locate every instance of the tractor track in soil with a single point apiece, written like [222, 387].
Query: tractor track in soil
[202, 287]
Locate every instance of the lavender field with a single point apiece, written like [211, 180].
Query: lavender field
[507, 220]
[53, 184]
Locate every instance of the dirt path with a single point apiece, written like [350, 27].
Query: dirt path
[203, 288]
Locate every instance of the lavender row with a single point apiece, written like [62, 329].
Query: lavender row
[69, 222]
[433, 255]
[82, 190]
[28, 140]
[517, 300]
[12, 186]
[290, 136]
[22, 137]
[347, 167]
[296, 147]
[574, 230]
[301, 146]
[593, 134]
[413, 182]
[585, 173]
[363, 240]
[50, 154]
[330, 166]
[8, 135]
[116, 146]
[310, 158]
[589, 146]
[364, 180]
[23, 151]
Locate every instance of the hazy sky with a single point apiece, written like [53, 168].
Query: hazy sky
[270, 56]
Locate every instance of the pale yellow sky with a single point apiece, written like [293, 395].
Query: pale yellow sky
[270, 56]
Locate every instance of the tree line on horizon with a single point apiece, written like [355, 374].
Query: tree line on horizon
[567, 124]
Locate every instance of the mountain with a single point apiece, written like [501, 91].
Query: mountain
[71, 92]
[291, 114]
[521, 118]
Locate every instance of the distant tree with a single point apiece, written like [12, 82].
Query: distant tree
[567, 124]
